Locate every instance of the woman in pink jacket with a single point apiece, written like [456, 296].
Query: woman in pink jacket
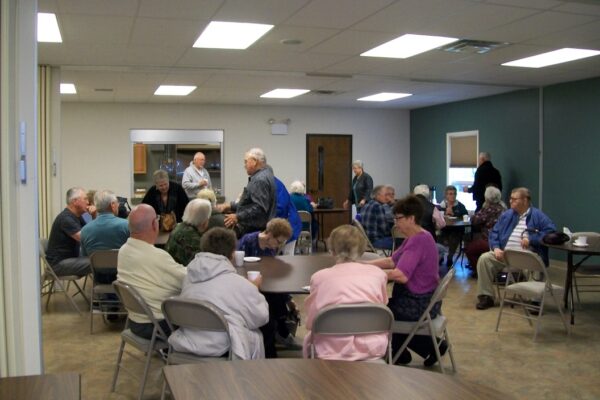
[346, 282]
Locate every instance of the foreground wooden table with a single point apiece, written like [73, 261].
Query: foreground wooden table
[315, 379]
[49, 387]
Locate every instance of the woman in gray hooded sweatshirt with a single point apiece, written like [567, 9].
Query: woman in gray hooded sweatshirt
[212, 277]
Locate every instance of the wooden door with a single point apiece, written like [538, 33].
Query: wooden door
[328, 173]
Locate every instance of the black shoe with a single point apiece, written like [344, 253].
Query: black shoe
[534, 311]
[485, 302]
[432, 359]
[405, 358]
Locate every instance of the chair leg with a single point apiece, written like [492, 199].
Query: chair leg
[147, 365]
[69, 298]
[118, 366]
[50, 291]
[450, 352]
[539, 317]
[436, 346]
[560, 311]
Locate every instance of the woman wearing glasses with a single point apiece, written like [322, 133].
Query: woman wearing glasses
[414, 270]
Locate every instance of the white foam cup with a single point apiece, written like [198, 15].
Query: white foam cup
[581, 240]
[466, 218]
[253, 275]
[239, 258]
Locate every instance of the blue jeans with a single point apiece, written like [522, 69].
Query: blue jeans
[384, 243]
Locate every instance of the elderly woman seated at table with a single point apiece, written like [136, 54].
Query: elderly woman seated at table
[184, 241]
[485, 218]
[414, 270]
[217, 218]
[453, 210]
[302, 203]
[348, 281]
[212, 277]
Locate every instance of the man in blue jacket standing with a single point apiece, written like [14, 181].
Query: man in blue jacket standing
[520, 227]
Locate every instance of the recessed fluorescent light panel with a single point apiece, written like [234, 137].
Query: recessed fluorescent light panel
[408, 45]
[67, 88]
[170, 90]
[47, 28]
[284, 93]
[552, 57]
[385, 96]
[231, 35]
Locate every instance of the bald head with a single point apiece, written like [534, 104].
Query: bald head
[143, 224]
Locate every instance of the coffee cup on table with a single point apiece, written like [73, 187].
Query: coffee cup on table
[581, 240]
[239, 258]
[466, 218]
[253, 275]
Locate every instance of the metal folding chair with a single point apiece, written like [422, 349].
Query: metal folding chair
[304, 244]
[436, 327]
[370, 247]
[353, 319]
[101, 303]
[133, 302]
[50, 280]
[521, 260]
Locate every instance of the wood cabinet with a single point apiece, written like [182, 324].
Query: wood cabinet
[139, 158]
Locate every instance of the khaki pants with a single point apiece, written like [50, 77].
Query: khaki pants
[487, 269]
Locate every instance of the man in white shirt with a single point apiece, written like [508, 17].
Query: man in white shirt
[148, 269]
[520, 227]
[196, 177]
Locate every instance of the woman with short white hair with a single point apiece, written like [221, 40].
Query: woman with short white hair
[361, 187]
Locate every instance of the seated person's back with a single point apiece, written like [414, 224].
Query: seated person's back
[212, 277]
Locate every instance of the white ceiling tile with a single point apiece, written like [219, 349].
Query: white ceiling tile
[93, 29]
[166, 32]
[580, 7]
[179, 9]
[309, 37]
[578, 36]
[99, 7]
[539, 4]
[336, 13]
[48, 6]
[351, 42]
[264, 11]
[154, 56]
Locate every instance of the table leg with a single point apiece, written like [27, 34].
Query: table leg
[568, 287]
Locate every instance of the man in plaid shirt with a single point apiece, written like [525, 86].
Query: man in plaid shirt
[377, 226]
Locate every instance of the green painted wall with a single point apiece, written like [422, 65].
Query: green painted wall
[571, 173]
[508, 128]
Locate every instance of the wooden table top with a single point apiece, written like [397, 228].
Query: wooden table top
[316, 379]
[329, 210]
[288, 274]
[65, 386]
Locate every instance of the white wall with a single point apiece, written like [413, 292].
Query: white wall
[96, 152]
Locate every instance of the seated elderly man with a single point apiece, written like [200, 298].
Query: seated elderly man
[150, 270]
[184, 241]
[377, 227]
[106, 232]
[520, 227]
[390, 200]
[65, 235]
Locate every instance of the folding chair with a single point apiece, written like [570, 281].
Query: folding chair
[353, 319]
[436, 327]
[103, 262]
[304, 245]
[586, 272]
[197, 315]
[50, 279]
[133, 302]
[396, 236]
[519, 260]
[370, 248]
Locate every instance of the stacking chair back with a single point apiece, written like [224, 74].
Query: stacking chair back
[353, 319]
[370, 248]
[520, 293]
[103, 262]
[50, 280]
[436, 327]
[304, 244]
[586, 274]
[133, 302]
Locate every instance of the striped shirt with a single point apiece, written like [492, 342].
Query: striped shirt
[520, 232]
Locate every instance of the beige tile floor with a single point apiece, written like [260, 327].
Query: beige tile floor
[557, 366]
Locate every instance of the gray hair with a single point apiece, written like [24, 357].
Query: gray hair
[346, 243]
[74, 193]
[297, 187]
[377, 190]
[104, 200]
[492, 195]
[208, 194]
[485, 155]
[257, 154]
[423, 190]
[523, 191]
[160, 175]
[358, 163]
[197, 212]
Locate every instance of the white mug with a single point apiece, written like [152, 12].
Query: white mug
[581, 240]
[466, 218]
[239, 258]
[253, 275]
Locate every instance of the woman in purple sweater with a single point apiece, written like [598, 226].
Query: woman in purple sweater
[414, 270]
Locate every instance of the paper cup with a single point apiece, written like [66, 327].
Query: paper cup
[466, 218]
[253, 275]
[581, 240]
[239, 258]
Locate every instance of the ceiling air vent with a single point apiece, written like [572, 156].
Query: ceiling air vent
[473, 46]
[325, 92]
[103, 90]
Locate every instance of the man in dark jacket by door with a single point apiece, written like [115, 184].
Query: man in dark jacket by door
[485, 175]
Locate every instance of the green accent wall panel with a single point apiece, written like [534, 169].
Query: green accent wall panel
[508, 126]
[571, 172]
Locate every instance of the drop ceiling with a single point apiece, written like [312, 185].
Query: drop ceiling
[122, 50]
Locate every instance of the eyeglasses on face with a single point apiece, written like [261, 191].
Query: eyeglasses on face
[399, 217]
